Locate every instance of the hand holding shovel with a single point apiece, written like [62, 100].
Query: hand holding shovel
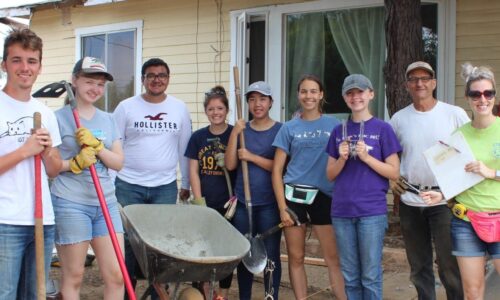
[275, 228]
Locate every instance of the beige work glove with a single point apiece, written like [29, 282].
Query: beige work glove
[219, 159]
[85, 138]
[230, 207]
[83, 160]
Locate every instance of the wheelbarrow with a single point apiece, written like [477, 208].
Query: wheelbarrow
[179, 243]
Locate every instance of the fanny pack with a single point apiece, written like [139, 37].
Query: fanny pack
[486, 225]
[299, 193]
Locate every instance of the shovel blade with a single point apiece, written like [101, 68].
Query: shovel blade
[256, 259]
[53, 90]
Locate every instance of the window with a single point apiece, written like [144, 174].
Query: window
[117, 45]
[334, 39]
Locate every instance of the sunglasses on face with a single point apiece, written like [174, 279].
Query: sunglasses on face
[476, 95]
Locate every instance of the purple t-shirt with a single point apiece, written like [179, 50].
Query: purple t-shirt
[359, 191]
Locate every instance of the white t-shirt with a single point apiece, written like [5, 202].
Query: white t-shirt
[417, 131]
[17, 185]
[154, 137]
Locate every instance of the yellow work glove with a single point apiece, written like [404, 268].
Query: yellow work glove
[85, 137]
[83, 160]
[199, 201]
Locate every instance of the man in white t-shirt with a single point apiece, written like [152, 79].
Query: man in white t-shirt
[155, 128]
[18, 146]
[419, 126]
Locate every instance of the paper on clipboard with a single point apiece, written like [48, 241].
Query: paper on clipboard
[447, 164]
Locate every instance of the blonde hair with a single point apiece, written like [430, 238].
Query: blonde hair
[472, 73]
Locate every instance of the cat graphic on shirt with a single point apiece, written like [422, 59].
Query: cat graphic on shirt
[21, 126]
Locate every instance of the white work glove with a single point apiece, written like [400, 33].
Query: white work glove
[230, 207]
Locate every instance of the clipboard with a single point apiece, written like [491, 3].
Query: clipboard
[447, 160]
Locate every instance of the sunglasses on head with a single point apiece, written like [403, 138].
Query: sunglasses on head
[476, 95]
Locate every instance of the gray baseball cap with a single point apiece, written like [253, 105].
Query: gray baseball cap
[356, 81]
[419, 65]
[260, 87]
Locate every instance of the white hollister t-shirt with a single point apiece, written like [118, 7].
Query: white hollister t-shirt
[17, 185]
[416, 132]
[154, 138]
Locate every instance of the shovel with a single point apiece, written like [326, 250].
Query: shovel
[55, 90]
[256, 259]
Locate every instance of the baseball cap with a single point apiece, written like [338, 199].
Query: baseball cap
[91, 65]
[419, 65]
[356, 81]
[260, 87]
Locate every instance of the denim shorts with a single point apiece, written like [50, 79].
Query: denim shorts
[76, 223]
[467, 243]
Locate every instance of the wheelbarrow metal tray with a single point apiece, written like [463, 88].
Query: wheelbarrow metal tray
[177, 243]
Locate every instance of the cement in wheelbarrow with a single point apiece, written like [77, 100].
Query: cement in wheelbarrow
[176, 243]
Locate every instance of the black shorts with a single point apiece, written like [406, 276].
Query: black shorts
[317, 213]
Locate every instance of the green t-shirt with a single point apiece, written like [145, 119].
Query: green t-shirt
[485, 144]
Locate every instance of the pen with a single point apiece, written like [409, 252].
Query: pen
[444, 144]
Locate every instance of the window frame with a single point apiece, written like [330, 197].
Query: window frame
[275, 29]
[136, 25]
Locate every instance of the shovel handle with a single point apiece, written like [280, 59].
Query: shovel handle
[271, 231]
[39, 239]
[244, 164]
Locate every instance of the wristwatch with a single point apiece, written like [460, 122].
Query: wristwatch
[497, 174]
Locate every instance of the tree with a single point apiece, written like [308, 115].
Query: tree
[403, 28]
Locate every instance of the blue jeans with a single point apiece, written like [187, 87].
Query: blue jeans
[420, 227]
[264, 217]
[127, 194]
[18, 260]
[360, 242]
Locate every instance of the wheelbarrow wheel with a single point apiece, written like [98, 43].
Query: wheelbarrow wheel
[190, 293]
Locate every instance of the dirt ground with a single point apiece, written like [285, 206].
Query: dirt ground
[92, 288]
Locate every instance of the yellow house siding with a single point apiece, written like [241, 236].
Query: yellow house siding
[185, 35]
[477, 39]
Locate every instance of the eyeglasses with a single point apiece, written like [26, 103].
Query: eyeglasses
[476, 95]
[152, 76]
[424, 79]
